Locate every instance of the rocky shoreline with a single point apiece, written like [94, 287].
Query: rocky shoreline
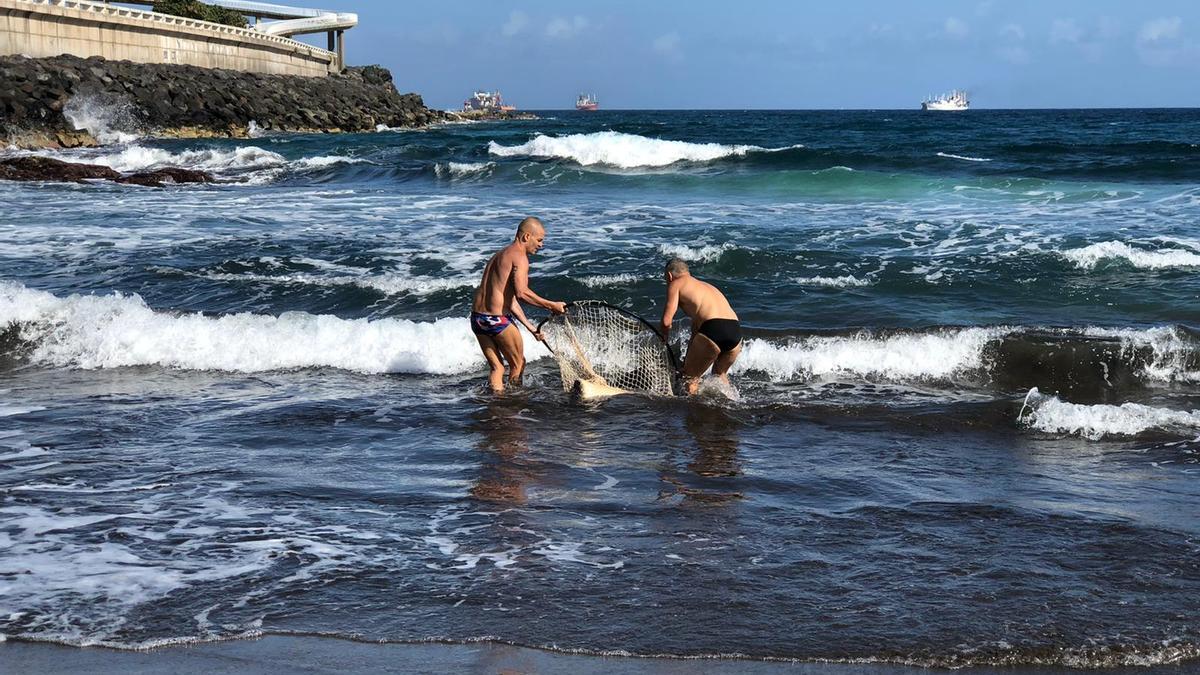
[67, 101]
[46, 169]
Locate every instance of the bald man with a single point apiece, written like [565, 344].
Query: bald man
[497, 305]
[716, 331]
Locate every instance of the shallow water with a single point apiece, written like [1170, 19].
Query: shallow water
[965, 435]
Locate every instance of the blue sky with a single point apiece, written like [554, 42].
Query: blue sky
[775, 54]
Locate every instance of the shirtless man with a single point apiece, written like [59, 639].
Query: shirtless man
[497, 305]
[716, 332]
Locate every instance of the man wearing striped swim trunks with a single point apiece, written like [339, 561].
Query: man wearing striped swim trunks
[497, 305]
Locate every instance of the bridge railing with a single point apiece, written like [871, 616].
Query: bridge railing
[183, 22]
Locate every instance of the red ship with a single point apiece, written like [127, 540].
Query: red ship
[587, 102]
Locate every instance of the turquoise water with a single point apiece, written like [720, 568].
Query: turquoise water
[965, 432]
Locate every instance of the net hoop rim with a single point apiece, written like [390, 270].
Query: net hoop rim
[620, 310]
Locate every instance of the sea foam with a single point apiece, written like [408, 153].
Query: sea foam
[1049, 414]
[625, 151]
[1089, 257]
[702, 253]
[139, 158]
[902, 357]
[110, 331]
[847, 281]
[965, 158]
[461, 169]
[109, 119]
[388, 283]
[221, 161]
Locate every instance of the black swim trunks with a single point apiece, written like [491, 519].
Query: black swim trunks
[726, 333]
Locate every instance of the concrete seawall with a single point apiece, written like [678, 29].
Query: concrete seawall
[44, 28]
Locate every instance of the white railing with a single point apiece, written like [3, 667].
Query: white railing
[195, 24]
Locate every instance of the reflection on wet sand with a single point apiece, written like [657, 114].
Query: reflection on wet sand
[716, 435]
[504, 444]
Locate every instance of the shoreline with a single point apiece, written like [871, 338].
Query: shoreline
[69, 102]
[320, 654]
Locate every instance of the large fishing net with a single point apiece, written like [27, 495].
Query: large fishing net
[599, 344]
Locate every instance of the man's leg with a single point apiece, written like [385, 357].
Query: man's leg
[496, 367]
[701, 353]
[512, 346]
[725, 361]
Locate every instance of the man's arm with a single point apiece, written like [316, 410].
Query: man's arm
[522, 291]
[519, 313]
[669, 310]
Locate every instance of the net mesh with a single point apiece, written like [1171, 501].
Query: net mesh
[599, 343]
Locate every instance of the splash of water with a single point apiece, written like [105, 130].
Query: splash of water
[108, 118]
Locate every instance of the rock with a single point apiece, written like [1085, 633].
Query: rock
[46, 169]
[158, 177]
[170, 99]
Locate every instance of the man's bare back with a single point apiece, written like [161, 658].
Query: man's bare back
[716, 330]
[497, 304]
[701, 300]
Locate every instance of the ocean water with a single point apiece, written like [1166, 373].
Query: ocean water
[967, 433]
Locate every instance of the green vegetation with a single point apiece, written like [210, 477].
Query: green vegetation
[193, 9]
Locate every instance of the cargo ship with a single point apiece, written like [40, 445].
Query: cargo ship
[587, 102]
[955, 100]
[487, 101]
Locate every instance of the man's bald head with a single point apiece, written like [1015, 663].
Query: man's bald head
[676, 267]
[531, 226]
[530, 235]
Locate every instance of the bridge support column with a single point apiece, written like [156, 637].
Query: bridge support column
[341, 50]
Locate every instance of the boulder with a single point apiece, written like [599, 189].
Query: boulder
[47, 169]
[159, 177]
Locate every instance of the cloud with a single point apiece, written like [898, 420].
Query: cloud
[1015, 54]
[1065, 30]
[561, 28]
[1160, 30]
[517, 21]
[668, 45]
[1160, 42]
[956, 28]
[1012, 31]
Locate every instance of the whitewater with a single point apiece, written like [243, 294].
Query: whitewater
[966, 431]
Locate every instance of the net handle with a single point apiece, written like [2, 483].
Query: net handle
[620, 310]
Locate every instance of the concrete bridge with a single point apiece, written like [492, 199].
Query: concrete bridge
[41, 28]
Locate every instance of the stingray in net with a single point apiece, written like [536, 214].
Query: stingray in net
[603, 350]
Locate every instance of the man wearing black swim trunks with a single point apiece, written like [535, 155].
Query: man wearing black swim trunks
[496, 306]
[716, 331]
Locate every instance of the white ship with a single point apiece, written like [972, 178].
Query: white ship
[955, 100]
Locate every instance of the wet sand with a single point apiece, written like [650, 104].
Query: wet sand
[303, 654]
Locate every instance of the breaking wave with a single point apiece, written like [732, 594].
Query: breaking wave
[112, 331]
[1089, 257]
[388, 284]
[704, 253]
[964, 158]
[621, 150]
[1052, 415]
[109, 119]
[462, 169]
[109, 331]
[232, 161]
[847, 281]
[908, 357]
[601, 280]
[1088, 362]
